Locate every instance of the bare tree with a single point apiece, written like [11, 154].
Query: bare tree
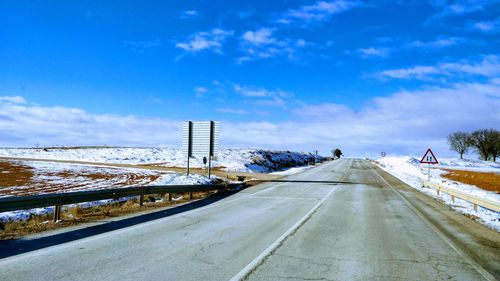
[460, 142]
[483, 141]
[337, 153]
[495, 148]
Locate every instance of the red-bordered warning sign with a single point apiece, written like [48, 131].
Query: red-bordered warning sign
[429, 158]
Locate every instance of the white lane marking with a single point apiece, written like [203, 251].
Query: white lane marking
[262, 256]
[473, 263]
[255, 262]
[285, 198]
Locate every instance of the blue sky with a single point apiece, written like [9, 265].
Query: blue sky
[367, 76]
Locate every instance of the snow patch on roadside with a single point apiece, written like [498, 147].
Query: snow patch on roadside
[178, 179]
[292, 171]
[410, 171]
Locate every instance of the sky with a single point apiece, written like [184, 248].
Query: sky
[364, 76]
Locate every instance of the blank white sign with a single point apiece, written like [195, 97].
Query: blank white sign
[200, 138]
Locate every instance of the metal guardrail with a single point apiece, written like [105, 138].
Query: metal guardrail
[476, 201]
[58, 199]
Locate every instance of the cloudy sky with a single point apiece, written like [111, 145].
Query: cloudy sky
[365, 76]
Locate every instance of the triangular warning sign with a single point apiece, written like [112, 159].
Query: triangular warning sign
[429, 158]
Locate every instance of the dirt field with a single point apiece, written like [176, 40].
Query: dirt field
[486, 181]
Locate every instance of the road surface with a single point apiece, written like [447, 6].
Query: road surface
[308, 228]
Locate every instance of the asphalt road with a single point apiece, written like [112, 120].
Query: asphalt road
[308, 228]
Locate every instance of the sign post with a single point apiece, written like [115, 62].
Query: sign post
[211, 149]
[190, 144]
[205, 165]
[429, 159]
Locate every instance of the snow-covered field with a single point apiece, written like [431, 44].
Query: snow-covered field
[468, 164]
[410, 171]
[244, 160]
[21, 178]
[47, 177]
[29, 178]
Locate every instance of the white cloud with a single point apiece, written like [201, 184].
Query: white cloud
[12, 99]
[438, 43]
[416, 72]
[405, 122]
[264, 97]
[461, 7]
[249, 91]
[374, 52]
[487, 26]
[189, 14]
[210, 40]
[489, 66]
[200, 91]
[260, 44]
[23, 124]
[317, 12]
[232, 111]
[259, 37]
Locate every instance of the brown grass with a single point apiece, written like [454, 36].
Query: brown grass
[486, 181]
[76, 215]
[15, 174]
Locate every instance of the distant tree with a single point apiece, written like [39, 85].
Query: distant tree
[484, 141]
[460, 142]
[495, 148]
[337, 153]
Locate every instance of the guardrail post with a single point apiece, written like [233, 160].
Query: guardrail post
[170, 197]
[57, 213]
[190, 195]
[141, 200]
[475, 207]
[453, 199]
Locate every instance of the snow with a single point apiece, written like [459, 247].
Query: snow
[467, 164]
[410, 171]
[49, 177]
[292, 171]
[177, 179]
[164, 179]
[242, 160]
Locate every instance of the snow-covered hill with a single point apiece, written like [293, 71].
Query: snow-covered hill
[245, 160]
